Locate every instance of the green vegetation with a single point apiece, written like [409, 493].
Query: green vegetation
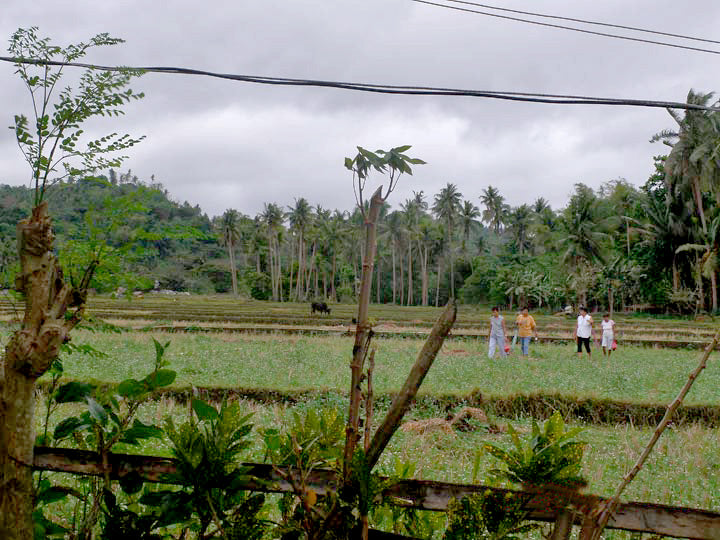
[304, 363]
[655, 246]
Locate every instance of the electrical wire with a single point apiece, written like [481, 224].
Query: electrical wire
[550, 25]
[560, 99]
[584, 21]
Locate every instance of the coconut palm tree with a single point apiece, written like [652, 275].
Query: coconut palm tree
[428, 232]
[229, 237]
[273, 218]
[446, 207]
[519, 223]
[468, 220]
[584, 234]
[540, 205]
[689, 166]
[396, 232]
[495, 208]
[300, 217]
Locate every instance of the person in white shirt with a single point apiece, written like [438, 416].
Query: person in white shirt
[583, 332]
[608, 334]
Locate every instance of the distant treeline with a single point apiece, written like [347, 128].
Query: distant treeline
[618, 246]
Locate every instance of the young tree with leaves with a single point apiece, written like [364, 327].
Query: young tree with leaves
[53, 145]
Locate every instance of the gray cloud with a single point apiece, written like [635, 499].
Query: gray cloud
[224, 144]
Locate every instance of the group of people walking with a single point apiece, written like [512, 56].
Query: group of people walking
[526, 328]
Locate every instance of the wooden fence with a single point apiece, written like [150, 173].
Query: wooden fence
[422, 494]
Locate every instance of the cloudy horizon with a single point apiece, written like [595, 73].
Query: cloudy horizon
[224, 144]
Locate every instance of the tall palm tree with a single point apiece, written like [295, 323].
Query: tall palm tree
[584, 233]
[334, 233]
[396, 233]
[495, 208]
[446, 207]
[229, 236]
[300, 217]
[689, 166]
[428, 232]
[540, 205]
[412, 209]
[468, 219]
[273, 217]
[519, 224]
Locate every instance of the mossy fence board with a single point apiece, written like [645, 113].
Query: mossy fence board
[544, 505]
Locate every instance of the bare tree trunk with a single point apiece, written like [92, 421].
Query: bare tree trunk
[301, 267]
[452, 265]
[233, 270]
[378, 281]
[437, 285]
[424, 276]
[394, 282]
[271, 264]
[28, 354]
[697, 193]
[333, 294]
[292, 271]
[675, 275]
[278, 273]
[611, 300]
[402, 281]
[700, 286]
[410, 276]
[713, 289]
[324, 280]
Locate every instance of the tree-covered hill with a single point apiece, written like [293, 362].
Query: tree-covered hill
[613, 247]
[141, 236]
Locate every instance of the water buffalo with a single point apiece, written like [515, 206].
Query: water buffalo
[319, 306]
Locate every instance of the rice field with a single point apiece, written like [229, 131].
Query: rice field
[283, 363]
[278, 358]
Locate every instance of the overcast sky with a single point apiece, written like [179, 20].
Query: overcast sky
[223, 144]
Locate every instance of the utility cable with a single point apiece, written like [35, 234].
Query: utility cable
[584, 21]
[560, 99]
[550, 25]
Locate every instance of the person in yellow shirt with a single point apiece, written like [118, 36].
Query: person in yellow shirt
[526, 327]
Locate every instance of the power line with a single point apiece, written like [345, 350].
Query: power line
[585, 21]
[550, 25]
[560, 99]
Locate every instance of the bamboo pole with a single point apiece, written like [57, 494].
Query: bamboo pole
[610, 506]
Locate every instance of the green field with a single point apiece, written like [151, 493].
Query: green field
[276, 373]
[299, 363]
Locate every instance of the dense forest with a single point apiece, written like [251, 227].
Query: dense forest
[654, 246]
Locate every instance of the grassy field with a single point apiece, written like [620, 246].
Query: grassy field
[683, 470]
[296, 363]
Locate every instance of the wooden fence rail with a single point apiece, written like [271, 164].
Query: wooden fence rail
[422, 494]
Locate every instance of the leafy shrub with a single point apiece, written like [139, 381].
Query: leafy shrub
[547, 457]
[490, 515]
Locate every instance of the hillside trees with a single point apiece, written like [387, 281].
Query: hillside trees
[53, 145]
